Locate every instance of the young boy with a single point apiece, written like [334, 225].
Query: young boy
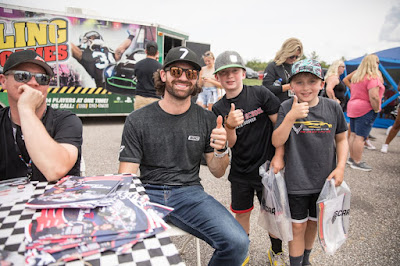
[249, 114]
[313, 132]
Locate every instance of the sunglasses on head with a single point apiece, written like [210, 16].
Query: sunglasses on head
[177, 72]
[25, 77]
[294, 57]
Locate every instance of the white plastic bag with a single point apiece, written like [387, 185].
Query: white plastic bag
[333, 210]
[274, 211]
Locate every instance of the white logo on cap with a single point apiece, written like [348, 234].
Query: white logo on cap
[185, 52]
[233, 58]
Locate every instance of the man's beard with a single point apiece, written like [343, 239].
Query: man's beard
[169, 87]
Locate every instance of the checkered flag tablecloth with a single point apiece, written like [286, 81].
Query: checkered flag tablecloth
[14, 217]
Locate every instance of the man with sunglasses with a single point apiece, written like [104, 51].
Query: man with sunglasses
[167, 139]
[35, 140]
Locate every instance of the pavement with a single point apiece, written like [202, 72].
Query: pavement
[374, 228]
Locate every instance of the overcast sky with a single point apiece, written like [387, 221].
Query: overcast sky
[257, 28]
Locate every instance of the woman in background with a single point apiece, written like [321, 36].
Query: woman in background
[211, 92]
[281, 67]
[335, 89]
[365, 102]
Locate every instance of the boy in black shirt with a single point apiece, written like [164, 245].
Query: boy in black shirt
[249, 113]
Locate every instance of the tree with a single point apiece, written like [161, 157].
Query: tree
[257, 65]
[314, 55]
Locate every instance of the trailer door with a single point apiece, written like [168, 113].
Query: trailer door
[199, 49]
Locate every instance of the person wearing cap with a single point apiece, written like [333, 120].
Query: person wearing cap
[35, 140]
[144, 70]
[166, 140]
[250, 112]
[313, 131]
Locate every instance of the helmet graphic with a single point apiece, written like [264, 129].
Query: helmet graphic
[86, 39]
[120, 78]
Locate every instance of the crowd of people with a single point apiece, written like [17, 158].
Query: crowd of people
[167, 135]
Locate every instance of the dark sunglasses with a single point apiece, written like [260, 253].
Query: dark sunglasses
[294, 57]
[177, 72]
[25, 77]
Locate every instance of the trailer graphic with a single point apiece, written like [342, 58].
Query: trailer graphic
[92, 57]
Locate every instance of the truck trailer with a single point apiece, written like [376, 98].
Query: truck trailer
[92, 57]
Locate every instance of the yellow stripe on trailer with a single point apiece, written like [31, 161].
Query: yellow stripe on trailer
[91, 91]
[70, 90]
[98, 90]
[74, 90]
[63, 89]
[77, 90]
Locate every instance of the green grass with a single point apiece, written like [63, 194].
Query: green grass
[252, 82]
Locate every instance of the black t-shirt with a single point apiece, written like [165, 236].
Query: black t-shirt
[168, 147]
[144, 70]
[63, 126]
[272, 73]
[95, 62]
[253, 145]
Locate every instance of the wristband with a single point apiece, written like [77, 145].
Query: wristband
[220, 155]
[224, 148]
[229, 127]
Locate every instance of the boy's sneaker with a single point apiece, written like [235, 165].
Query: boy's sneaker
[276, 259]
[350, 161]
[363, 166]
[385, 148]
[369, 145]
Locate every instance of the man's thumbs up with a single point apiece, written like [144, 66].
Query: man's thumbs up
[219, 122]
[218, 135]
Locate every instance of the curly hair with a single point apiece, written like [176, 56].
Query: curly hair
[159, 85]
[288, 49]
[368, 67]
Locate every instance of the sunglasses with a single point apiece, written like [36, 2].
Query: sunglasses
[294, 57]
[177, 72]
[25, 77]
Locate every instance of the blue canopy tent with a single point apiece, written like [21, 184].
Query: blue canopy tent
[390, 67]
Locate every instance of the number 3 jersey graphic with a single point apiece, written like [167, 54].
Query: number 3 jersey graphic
[95, 61]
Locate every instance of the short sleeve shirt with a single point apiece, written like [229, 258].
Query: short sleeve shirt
[310, 151]
[169, 148]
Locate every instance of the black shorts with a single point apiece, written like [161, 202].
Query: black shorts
[242, 194]
[303, 207]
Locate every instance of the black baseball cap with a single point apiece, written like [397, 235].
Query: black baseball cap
[26, 56]
[151, 44]
[182, 54]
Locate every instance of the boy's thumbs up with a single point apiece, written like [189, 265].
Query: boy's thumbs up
[219, 122]
[232, 107]
[295, 100]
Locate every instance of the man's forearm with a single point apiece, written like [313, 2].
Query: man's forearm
[216, 165]
[53, 159]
